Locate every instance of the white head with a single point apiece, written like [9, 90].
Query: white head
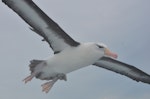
[102, 45]
[107, 52]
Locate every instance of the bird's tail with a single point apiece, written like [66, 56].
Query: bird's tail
[34, 65]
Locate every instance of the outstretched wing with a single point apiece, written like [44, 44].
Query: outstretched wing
[124, 69]
[41, 24]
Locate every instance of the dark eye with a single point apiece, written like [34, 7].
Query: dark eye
[100, 46]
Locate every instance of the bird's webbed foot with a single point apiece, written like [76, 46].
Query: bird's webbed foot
[29, 78]
[48, 85]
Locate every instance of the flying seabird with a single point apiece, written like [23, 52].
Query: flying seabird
[69, 55]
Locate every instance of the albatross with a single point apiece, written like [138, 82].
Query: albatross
[69, 55]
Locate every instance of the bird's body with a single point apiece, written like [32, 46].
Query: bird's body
[72, 59]
[69, 55]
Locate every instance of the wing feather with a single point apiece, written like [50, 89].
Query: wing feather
[124, 69]
[42, 24]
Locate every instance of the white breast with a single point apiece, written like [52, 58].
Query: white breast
[73, 58]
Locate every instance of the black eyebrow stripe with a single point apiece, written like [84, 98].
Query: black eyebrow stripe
[99, 46]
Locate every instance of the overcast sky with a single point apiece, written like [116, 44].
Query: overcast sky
[123, 25]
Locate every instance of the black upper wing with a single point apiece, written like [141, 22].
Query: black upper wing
[124, 69]
[41, 24]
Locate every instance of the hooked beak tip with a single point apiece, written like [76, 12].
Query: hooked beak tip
[115, 55]
[111, 54]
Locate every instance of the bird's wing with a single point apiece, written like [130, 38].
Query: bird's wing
[41, 24]
[124, 69]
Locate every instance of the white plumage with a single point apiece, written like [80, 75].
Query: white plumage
[74, 58]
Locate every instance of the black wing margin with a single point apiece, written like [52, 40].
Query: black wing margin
[123, 69]
[42, 24]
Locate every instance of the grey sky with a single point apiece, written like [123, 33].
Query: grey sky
[123, 25]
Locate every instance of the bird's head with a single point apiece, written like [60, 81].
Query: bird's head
[107, 52]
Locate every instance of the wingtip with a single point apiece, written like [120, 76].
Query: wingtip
[147, 80]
